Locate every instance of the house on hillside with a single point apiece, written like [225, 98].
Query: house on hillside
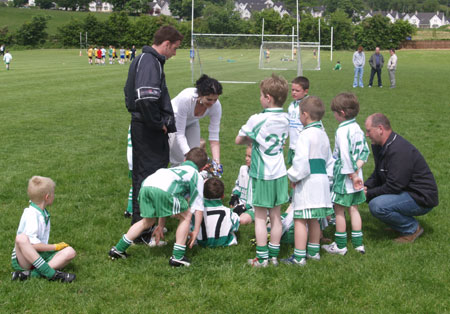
[99, 6]
[428, 19]
[159, 7]
[246, 7]
[418, 19]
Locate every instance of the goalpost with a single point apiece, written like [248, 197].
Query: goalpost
[247, 58]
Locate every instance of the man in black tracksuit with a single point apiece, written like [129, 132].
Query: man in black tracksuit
[152, 117]
[402, 185]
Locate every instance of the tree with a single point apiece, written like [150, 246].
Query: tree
[69, 34]
[183, 8]
[431, 6]
[221, 19]
[5, 36]
[118, 26]
[19, 3]
[399, 31]
[118, 5]
[44, 4]
[96, 30]
[350, 7]
[33, 33]
[343, 37]
[373, 32]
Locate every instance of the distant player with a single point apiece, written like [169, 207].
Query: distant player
[122, 56]
[133, 53]
[90, 53]
[98, 59]
[32, 255]
[338, 66]
[7, 59]
[110, 54]
[103, 50]
[219, 222]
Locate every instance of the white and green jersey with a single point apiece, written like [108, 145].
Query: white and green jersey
[295, 126]
[309, 169]
[129, 150]
[243, 187]
[218, 225]
[35, 223]
[269, 131]
[349, 147]
[184, 181]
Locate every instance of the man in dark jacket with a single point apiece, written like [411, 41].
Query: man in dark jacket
[152, 117]
[376, 62]
[402, 185]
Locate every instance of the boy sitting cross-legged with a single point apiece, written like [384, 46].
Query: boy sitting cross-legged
[32, 255]
[311, 199]
[170, 192]
[219, 222]
[267, 131]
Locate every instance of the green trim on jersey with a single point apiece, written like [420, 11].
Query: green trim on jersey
[315, 124]
[190, 163]
[44, 212]
[273, 110]
[213, 202]
[317, 166]
[347, 122]
[219, 242]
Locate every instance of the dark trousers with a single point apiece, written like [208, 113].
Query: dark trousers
[150, 153]
[372, 74]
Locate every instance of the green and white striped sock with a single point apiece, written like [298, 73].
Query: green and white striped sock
[313, 248]
[123, 244]
[130, 201]
[274, 250]
[299, 254]
[357, 238]
[341, 239]
[43, 268]
[262, 253]
[178, 251]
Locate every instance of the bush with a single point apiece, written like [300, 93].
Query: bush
[33, 33]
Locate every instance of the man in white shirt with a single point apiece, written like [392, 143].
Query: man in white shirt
[392, 66]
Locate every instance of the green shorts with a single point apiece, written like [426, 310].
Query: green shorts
[290, 157]
[313, 213]
[155, 202]
[47, 256]
[348, 200]
[269, 193]
[251, 212]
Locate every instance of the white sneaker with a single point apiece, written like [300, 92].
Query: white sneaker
[152, 242]
[314, 257]
[333, 249]
[256, 263]
[360, 249]
[273, 261]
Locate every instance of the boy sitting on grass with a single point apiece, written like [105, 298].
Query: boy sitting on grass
[240, 199]
[166, 193]
[267, 131]
[32, 255]
[312, 199]
[219, 222]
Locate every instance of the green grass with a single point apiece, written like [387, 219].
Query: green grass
[65, 119]
[13, 18]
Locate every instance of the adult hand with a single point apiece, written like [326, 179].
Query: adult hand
[164, 128]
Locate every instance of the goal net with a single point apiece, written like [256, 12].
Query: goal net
[276, 55]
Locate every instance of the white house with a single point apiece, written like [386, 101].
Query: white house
[99, 6]
[159, 7]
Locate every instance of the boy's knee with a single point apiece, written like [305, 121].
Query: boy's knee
[184, 215]
[245, 219]
[22, 239]
[69, 253]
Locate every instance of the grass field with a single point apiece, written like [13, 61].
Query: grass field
[65, 119]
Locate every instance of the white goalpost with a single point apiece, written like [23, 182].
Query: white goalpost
[247, 58]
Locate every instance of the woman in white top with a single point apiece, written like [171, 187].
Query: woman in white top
[189, 106]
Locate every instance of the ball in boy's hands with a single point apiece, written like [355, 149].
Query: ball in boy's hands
[61, 245]
[239, 209]
[234, 200]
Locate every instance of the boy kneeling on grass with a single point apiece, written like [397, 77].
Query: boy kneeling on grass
[32, 255]
[165, 193]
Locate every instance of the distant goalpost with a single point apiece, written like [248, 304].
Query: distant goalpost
[217, 56]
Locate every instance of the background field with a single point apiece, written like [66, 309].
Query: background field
[65, 119]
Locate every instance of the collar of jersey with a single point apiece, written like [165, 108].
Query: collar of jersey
[273, 110]
[44, 212]
[190, 163]
[347, 122]
[315, 124]
[213, 202]
[298, 101]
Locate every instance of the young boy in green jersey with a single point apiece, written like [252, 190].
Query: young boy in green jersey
[267, 131]
[350, 152]
[169, 192]
[219, 222]
[32, 255]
